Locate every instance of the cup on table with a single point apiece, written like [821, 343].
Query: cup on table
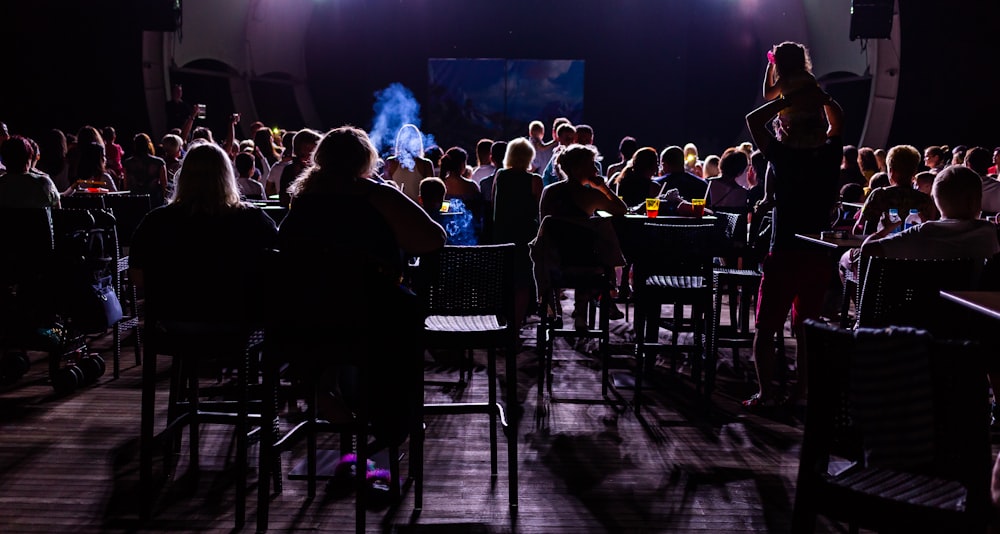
[445, 206]
[652, 207]
[698, 206]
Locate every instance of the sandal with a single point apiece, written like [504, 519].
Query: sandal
[758, 402]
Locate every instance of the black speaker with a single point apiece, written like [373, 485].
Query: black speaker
[871, 19]
[160, 15]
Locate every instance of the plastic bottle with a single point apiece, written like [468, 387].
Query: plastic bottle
[894, 217]
[912, 219]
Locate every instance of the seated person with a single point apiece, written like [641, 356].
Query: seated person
[902, 162]
[249, 187]
[431, 197]
[21, 187]
[923, 182]
[957, 192]
[577, 197]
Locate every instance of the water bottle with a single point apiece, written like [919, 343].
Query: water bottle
[894, 217]
[912, 219]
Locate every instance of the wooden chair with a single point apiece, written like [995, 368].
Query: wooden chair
[675, 267]
[468, 293]
[896, 433]
[580, 267]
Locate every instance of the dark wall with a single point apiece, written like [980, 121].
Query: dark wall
[662, 71]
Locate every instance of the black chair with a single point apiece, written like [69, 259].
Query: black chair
[308, 341]
[468, 299]
[738, 278]
[579, 266]
[674, 267]
[900, 291]
[896, 433]
[128, 209]
[194, 348]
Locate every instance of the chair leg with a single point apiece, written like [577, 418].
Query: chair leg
[491, 374]
[512, 423]
[604, 348]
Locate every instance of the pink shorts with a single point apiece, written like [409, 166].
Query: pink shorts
[795, 279]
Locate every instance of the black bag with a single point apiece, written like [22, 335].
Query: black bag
[99, 307]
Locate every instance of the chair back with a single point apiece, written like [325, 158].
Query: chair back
[900, 291]
[578, 256]
[467, 280]
[892, 400]
[678, 250]
[27, 243]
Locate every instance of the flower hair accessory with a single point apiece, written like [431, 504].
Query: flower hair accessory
[770, 56]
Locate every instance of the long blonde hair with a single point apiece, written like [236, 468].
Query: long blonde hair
[205, 181]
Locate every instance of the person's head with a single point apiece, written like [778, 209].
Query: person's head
[746, 147]
[483, 151]
[92, 161]
[566, 134]
[978, 159]
[576, 162]
[304, 144]
[431, 193]
[557, 122]
[934, 157]
[346, 153]
[453, 162]
[142, 144]
[16, 153]
[791, 57]
[867, 160]
[924, 182]
[109, 134]
[519, 154]
[584, 134]
[434, 153]
[627, 146]
[176, 92]
[958, 155]
[958, 192]
[202, 132]
[205, 183]
[733, 164]
[287, 140]
[498, 151]
[880, 155]
[850, 160]
[89, 134]
[264, 140]
[903, 162]
[711, 167]
[644, 163]
[536, 130]
[852, 192]
[244, 164]
[879, 179]
[996, 156]
[172, 145]
[53, 145]
[409, 142]
[672, 159]
[690, 153]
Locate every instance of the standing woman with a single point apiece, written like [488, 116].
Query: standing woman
[146, 173]
[516, 195]
[265, 152]
[408, 166]
[344, 242]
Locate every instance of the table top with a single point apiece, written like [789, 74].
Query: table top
[662, 218]
[986, 303]
[848, 241]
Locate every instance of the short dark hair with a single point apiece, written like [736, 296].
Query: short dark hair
[627, 146]
[733, 163]
[16, 151]
[244, 164]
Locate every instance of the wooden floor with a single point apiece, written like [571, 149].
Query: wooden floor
[586, 463]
